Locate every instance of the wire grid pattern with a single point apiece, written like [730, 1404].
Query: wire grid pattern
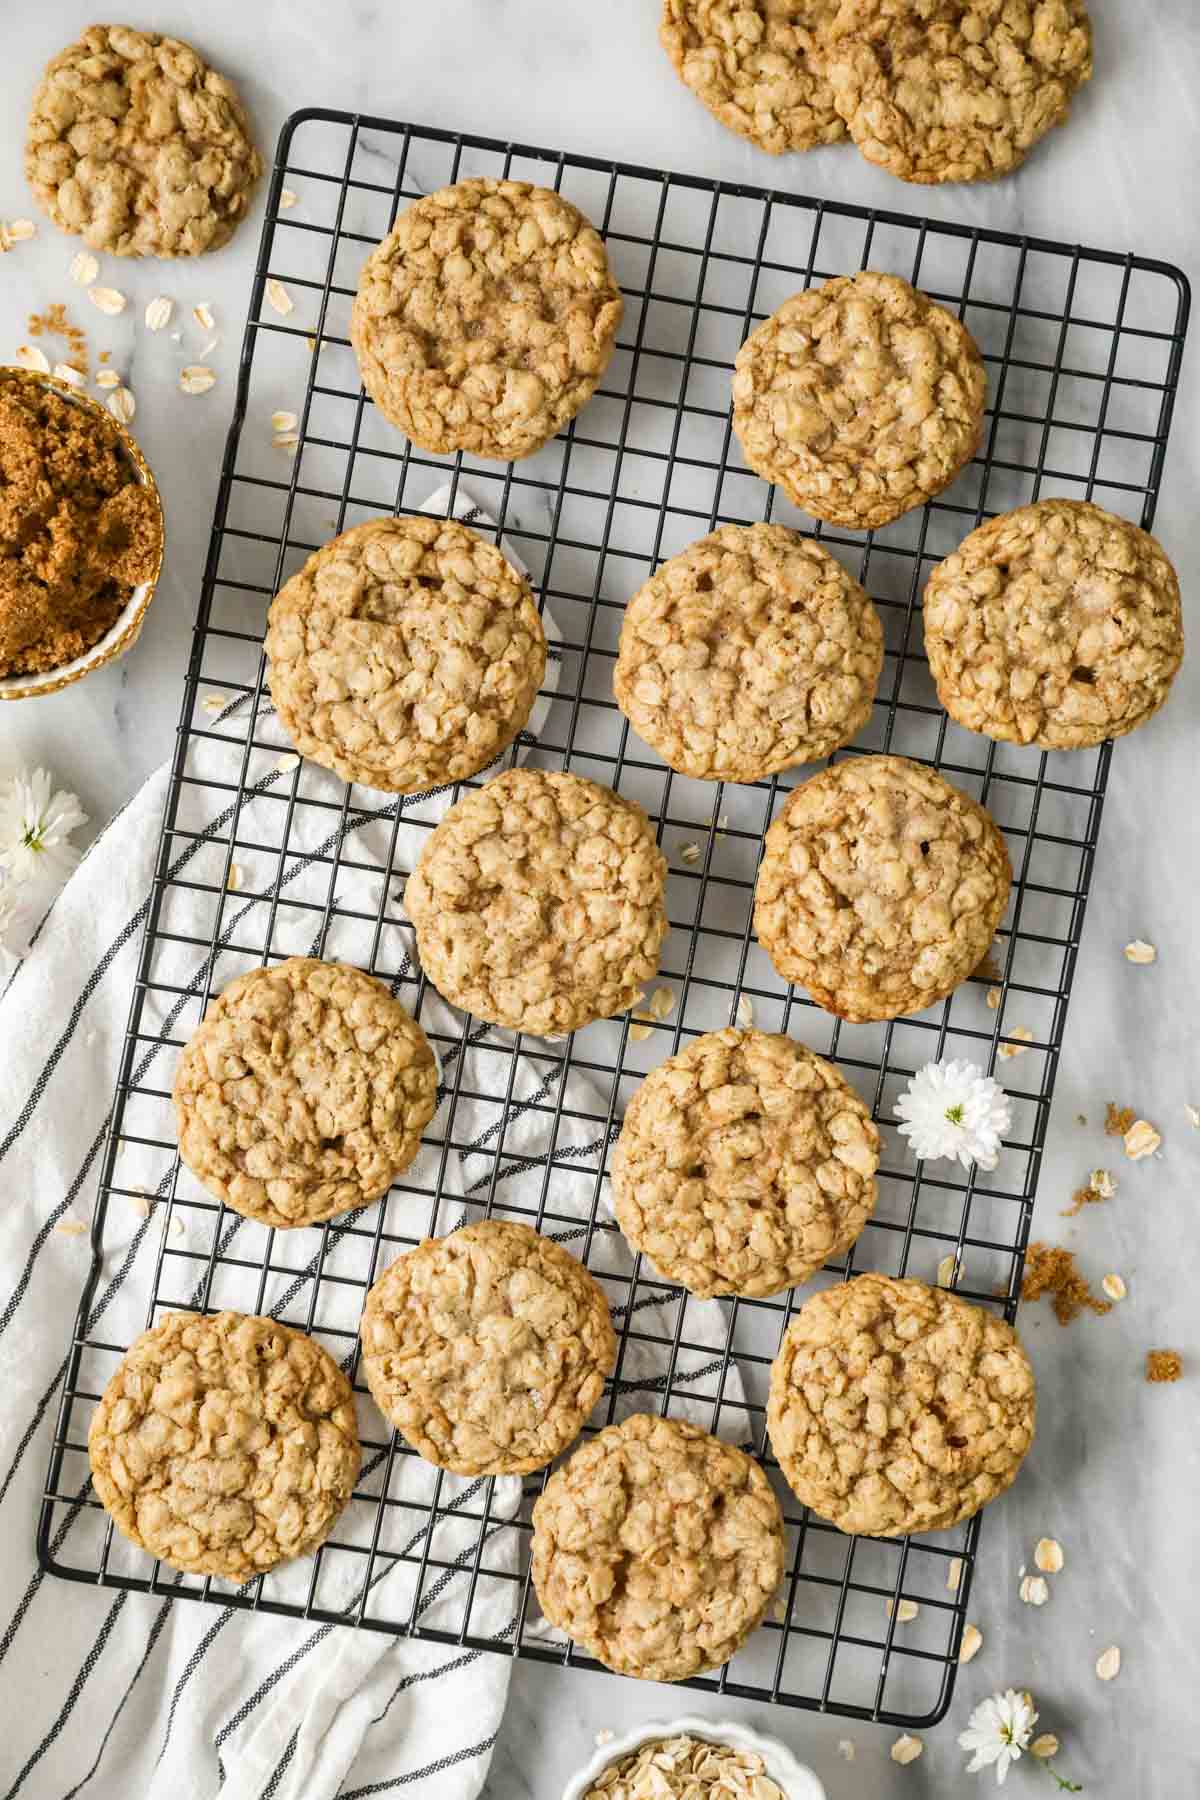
[1083, 351]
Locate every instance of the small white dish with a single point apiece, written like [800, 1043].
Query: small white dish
[795, 1778]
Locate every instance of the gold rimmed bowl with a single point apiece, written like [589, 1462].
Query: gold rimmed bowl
[122, 634]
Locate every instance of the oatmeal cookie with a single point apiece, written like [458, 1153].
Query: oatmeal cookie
[880, 888]
[137, 146]
[487, 1349]
[755, 65]
[226, 1444]
[747, 653]
[657, 1548]
[538, 902]
[897, 1407]
[405, 654]
[955, 90]
[744, 1163]
[1057, 624]
[303, 1092]
[485, 318]
[861, 399]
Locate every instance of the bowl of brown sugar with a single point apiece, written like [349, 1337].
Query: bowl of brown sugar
[81, 536]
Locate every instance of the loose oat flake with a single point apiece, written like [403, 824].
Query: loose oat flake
[954, 1574]
[745, 1012]
[1048, 1555]
[107, 378]
[639, 1033]
[1114, 1287]
[947, 1271]
[689, 854]
[84, 268]
[71, 1227]
[1045, 1746]
[203, 315]
[196, 379]
[1139, 951]
[67, 372]
[233, 880]
[906, 1749]
[1034, 1590]
[905, 1612]
[214, 703]
[122, 405]
[1141, 1140]
[1193, 1117]
[283, 421]
[16, 231]
[287, 198]
[1108, 1663]
[286, 440]
[278, 297]
[30, 357]
[846, 1749]
[288, 762]
[140, 1205]
[604, 1736]
[1024, 1038]
[994, 997]
[972, 1643]
[158, 313]
[108, 300]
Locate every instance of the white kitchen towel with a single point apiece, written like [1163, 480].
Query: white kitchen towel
[111, 1693]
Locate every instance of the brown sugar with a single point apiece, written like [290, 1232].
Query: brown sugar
[77, 530]
[55, 322]
[1049, 1269]
[1163, 1365]
[1118, 1119]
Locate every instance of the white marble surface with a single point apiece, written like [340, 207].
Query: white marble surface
[1115, 1471]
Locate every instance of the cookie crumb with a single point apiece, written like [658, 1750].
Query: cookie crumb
[1118, 1119]
[1163, 1365]
[1049, 1269]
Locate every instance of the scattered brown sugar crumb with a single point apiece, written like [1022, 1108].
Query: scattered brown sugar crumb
[1049, 1269]
[1118, 1119]
[55, 322]
[1163, 1365]
[77, 531]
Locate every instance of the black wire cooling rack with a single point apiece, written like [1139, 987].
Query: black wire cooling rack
[263, 856]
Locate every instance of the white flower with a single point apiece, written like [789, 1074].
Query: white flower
[954, 1109]
[998, 1730]
[35, 828]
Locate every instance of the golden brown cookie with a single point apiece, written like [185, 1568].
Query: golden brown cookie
[860, 398]
[880, 888]
[744, 1163]
[485, 318]
[303, 1092]
[657, 1548]
[487, 1349]
[955, 90]
[226, 1444]
[538, 902]
[897, 1407]
[1057, 624]
[137, 146]
[749, 652]
[755, 65]
[405, 654]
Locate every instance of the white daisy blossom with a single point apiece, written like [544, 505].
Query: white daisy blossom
[997, 1732]
[953, 1109]
[35, 828]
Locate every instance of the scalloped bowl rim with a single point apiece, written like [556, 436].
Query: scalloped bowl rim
[797, 1780]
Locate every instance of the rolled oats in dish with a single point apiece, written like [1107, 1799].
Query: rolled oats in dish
[955, 90]
[861, 398]
[744, 1163]
[485, 318]
[657, 1548]
[226, 1444]
[756, 66]
[685, 1768]
[405, 654]
[538, 902]
[488, 1348]
[749, 652]
[78, 530]
[137, 146]
[303, 1092]
[896, 1407]
[1057, 624]
[880, 888]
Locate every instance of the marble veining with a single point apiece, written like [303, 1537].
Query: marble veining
[1115, 1470]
